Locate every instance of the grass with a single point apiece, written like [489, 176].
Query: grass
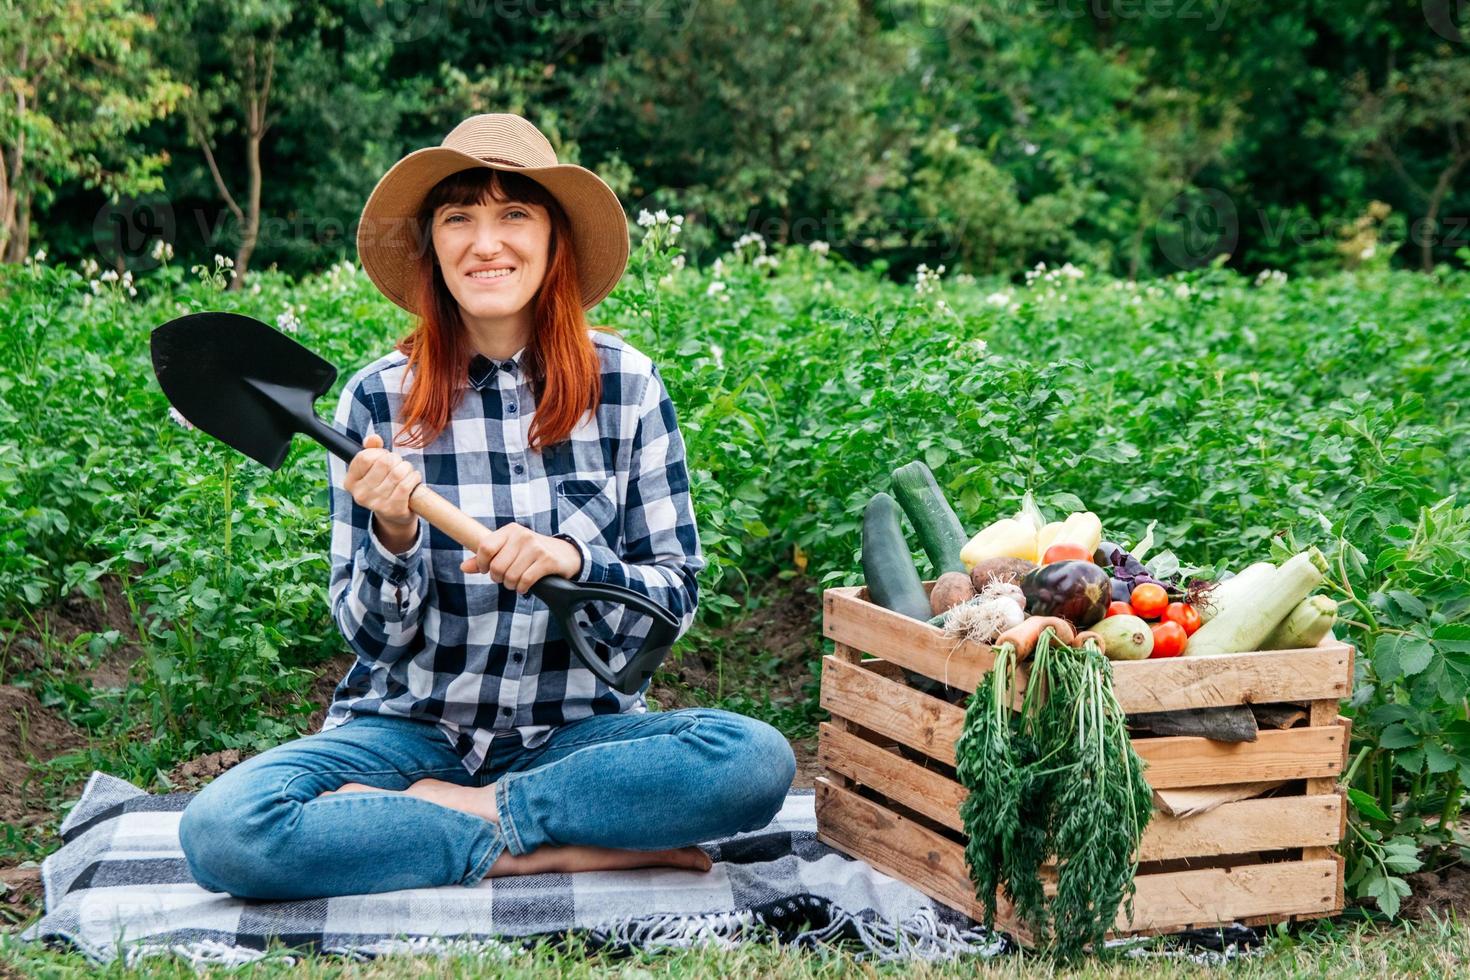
[1433, 948]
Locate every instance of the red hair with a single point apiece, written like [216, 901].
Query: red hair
[561, 362]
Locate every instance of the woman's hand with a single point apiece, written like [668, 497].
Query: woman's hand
[382, 481]
[517, 557]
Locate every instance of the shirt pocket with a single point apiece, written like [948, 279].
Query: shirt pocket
[587, 509]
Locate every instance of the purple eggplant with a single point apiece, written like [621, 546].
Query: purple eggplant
[1077, 591]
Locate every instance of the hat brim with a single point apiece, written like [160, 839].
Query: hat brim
[388, 243]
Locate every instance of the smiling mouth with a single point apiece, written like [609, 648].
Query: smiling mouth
[493, 276]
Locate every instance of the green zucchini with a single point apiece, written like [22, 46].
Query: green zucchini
[1244, 584]
[888, 565]
[1304, 628]
[939, 530]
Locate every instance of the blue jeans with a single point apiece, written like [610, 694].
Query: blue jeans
[634, 781]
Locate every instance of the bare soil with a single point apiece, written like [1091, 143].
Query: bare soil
[62, 624]
[29, 733]
[1440, 892]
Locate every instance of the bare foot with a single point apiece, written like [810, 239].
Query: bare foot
[577, 858]
[478, 801]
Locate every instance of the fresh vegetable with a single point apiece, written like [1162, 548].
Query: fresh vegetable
[1083, 529]
[888, 564]
[1183, 614]
[938, 529]
[1125, 637]
[1006, 538]
[1056, 782]
[1120, 609]
[987, 616]
[1047, 536]
[1245, 583]
[1248, 619]
[1305, 626]
[1169, 640]
[1077, 591]
[1000, 570]
[951, 589]
[1023, 636]
[1103, 556]
[1122, 590]
[1065, 552]
[1149, 600]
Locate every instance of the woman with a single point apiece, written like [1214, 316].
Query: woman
[466, 740]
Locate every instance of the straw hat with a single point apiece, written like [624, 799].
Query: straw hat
[388, 235]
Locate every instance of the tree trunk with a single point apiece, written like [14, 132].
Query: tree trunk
[1441, 190]
[14, 240]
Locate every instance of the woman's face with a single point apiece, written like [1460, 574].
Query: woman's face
[493, 257]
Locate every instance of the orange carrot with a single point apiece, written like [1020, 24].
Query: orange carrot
[1024, 637]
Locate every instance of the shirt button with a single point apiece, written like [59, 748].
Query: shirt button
[511, 408]
[505, 711]
[516, 657]
[520, 468]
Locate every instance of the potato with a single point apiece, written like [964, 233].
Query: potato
[950, 589]
[1010, 570]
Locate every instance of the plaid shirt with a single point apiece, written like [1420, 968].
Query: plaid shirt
[458, 649]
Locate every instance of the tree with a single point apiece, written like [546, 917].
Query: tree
[1417, 124]
[75, 79]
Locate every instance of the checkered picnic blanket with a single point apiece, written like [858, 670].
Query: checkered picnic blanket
[119, 887]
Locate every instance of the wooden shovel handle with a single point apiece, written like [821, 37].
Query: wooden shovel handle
[448, 518]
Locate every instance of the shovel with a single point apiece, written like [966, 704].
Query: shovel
[252, 388]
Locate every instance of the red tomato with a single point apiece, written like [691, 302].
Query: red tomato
[1149, 600]
[1120, 609]
[1169, 640]
[1066, 552]
[1184, 614]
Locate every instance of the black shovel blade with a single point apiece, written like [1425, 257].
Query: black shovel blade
[242, 381]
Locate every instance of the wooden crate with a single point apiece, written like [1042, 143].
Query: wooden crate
[888, 793]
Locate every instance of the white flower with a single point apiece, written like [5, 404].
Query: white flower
[719, 267]
[132, 291]
[109, 275]
[254, 289]
[1071, 271]
[1368, 252]
[40, 256]
[926, 280]
[661, 216]
[1271, 277]
[178, 417]
[1182, 291]
[645, 219]
[677, 262]
[982, 346]
[719, 354]
[999, 299]
[89, 268]
[162, 251]
[820, 247]
[96, 286]
[223, 262]
[715, 288]
[287, 322]
[766, 260]
[750, 238]
[942, 307]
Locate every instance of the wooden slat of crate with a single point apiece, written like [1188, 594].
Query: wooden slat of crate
[856, 693]
[1168, 901]
[1294, 753]
[1323, 672]
[1234, 828]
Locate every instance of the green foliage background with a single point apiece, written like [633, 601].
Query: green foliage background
[984, 134]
